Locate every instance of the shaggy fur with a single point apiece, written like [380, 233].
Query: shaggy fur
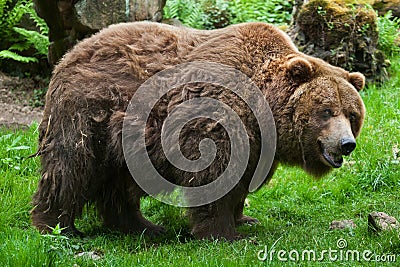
[315, 106]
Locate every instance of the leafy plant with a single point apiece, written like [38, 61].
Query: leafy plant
[59, 243]
[216, 14]
[272, 11]
[21, 39]
[187, 11]
[389, 34]
[10, 15]
[11, 160]
[38, 97]
[211, 14]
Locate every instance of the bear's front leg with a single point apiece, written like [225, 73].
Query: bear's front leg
[240, 218]
[214, 221]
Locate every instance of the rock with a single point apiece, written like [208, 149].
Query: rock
[94, 255]
[98, 14]
[339, 225]
[344, 36]
[72, 20]
[380, 221]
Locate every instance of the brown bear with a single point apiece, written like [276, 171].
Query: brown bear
[316, 107]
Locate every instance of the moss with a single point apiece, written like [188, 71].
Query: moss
[342, 34]
[359, 2]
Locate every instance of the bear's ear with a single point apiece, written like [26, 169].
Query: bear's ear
[299, 69]
[357, 80]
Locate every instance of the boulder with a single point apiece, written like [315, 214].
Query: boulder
[98, 14]
[343, 35]
[73, 20]
[339, 225]
[380, 221]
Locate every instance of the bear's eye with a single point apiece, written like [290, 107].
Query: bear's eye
[327, 113]
[353, 117]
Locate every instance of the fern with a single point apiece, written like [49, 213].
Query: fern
[10, 15]
[172, 8]
[389, 34]
[7, 54]
[188, 12]
[35, 39]
[194, 13]
[272, 11]
[40, 23]
[19, 39]
[19, 47]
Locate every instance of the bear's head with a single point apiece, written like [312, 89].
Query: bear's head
[327, 112]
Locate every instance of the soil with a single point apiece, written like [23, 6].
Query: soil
[17, 97]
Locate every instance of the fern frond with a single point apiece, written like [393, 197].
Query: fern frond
[40, 23]
[193, 18]
[6, 54]
[34, 38]
[20, 46]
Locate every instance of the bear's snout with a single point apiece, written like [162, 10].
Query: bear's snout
[333, 152]
[331, 155]
[348, 145]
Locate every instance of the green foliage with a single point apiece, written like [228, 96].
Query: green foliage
[18, 39]
[34, 39]
[271, 11]
[38, 97]
[8, 54]
[11, 13]
[39, 22]
[187, 11]
[389, 34]
[216, 14]
[211, 14]
[12, 145]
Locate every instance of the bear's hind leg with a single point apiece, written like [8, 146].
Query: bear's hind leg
[45, 220]
[53, 206]
[119, 206]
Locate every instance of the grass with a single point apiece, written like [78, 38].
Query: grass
[294, 210]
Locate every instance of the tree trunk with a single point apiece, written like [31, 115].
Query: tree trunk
[73, 20]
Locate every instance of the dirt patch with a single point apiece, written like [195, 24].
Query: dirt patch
[16, 96]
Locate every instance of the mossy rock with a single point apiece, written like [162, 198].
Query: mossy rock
[342, 34]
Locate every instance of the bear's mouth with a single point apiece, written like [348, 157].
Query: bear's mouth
[334, 161]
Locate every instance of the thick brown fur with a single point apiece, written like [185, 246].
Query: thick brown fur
[315, 105]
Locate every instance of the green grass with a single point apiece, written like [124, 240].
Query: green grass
[294, 210]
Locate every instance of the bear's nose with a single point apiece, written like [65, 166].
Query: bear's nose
[348, 145]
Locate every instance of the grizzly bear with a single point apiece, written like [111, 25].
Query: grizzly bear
[316, 108]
